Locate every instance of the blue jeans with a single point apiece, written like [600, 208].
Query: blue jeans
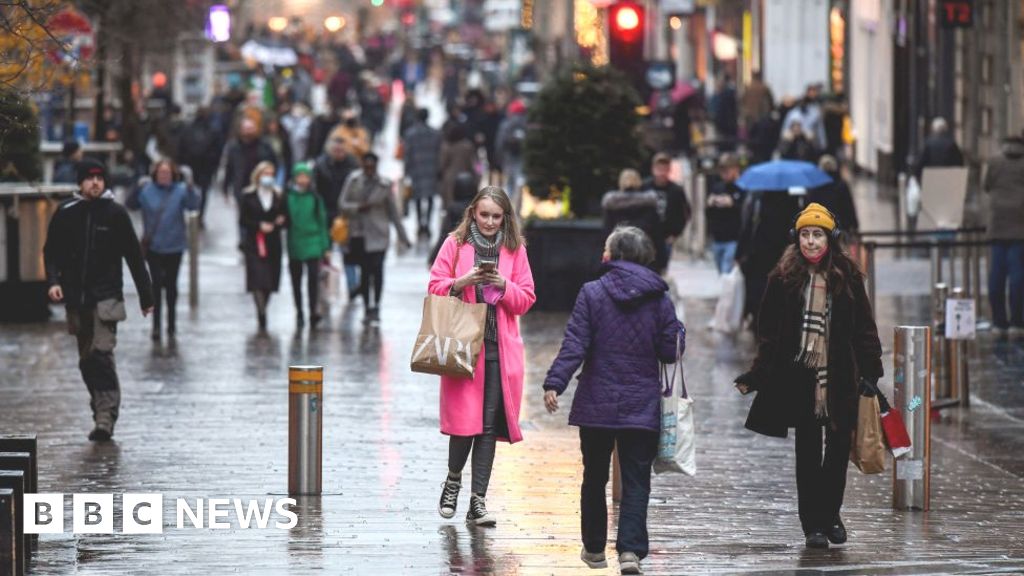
[637, 450]
[725, 254]
[1007, 263]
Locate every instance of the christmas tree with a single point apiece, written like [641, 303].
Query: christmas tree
[584, 130]
[19, 139]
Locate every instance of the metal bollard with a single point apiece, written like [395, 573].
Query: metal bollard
[10, 562]
[869, 271]
[912, 396]
[193, 258]
[958, 366]
[976, 272]
[14, 480]
[936, 262]
[305, 429]
[24, 443]
[901, 207]
[940, 347]
[21, 462]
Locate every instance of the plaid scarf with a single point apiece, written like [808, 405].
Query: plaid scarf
[814, 339]
[486, 250]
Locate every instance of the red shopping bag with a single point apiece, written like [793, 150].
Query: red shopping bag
[893, 428]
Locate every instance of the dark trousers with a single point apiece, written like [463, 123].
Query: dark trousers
[637, 450]
[164, 268]
[424, 208]
[312, 269]
[1007, 264]
[371, 272]
[484, 445]
[96, 341]
[820, 481]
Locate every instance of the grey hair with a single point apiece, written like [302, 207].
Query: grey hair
[631, 244]
[939, 125]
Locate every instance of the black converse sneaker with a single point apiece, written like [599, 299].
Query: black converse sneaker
[449, 498]
[477, 514]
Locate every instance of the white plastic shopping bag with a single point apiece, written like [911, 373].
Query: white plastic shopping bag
[677, 449]
[729, 310]
[330, 286]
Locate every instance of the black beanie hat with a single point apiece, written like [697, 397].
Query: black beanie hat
[90, 167]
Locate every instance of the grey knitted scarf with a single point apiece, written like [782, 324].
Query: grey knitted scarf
[485, 250]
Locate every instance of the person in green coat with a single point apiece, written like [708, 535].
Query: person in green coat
[308, 242]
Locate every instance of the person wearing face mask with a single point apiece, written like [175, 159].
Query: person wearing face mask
[817, 341]
[308, 241]
[262, 218]
[164, 199]
[355, 139]
[368, 202]
[484, 260]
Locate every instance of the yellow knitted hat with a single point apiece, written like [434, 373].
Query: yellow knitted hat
[816, 215]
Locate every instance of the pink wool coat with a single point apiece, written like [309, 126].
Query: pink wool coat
[462, 399]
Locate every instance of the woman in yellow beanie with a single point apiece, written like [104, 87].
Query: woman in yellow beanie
[816, 341]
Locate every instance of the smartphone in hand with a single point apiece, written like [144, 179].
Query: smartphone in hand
[488, 266]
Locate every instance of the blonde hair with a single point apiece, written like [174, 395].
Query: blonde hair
[254, 178]
[629, 179]
[509, 222]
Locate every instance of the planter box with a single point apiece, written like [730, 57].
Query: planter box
[564, 254]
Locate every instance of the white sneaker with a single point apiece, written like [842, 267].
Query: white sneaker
[629, 563]
[478, 515]
[449, 498]
[593, 559]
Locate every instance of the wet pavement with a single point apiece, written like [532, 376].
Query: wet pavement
[206, 417]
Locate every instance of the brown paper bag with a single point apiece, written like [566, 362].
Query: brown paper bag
[868, 450]
[450, 337]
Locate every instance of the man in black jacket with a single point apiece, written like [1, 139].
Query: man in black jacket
[87, 238]
[673, 207]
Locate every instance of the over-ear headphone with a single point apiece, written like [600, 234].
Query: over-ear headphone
[794, 235]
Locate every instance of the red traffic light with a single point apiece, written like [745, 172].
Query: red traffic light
[627, 18]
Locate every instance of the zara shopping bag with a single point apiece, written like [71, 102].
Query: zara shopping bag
[450, 337]
[867, 451]
[677, 449]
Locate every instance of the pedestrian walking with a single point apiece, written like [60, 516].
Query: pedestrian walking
[767, 218]
[66, 168]
[369, 203]
[722, 212]
[724, 114]
[796, 144]
[262, 218]
[674, 209]
[330, 172]
[164, 201]
[88, 237]
[241, 156]
[816, 335]
[837, 198]
[458, 155]
[510, 147]
[354, 138]
[940, 148]
[1004, 183]
[808, 113]
[484, 260]
[630, 205]
[422, 156]
[200, 150]
[308, 242]
[756, 102]
[622, 326]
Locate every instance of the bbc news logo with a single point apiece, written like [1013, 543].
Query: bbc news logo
[144, 513]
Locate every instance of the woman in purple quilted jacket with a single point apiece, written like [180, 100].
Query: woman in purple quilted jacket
[623, 325]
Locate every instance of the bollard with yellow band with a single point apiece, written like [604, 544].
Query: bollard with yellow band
[305, 429]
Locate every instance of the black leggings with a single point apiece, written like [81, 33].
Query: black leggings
[164, 268]
[424, 207]
[482, 446]
[312, 268]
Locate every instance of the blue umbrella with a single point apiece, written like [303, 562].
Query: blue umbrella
[783, 175]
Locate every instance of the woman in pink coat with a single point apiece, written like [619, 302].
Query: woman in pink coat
[484, 260]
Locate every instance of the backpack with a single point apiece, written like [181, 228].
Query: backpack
[516, 139]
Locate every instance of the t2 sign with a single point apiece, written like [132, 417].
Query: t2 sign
[956, 13]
